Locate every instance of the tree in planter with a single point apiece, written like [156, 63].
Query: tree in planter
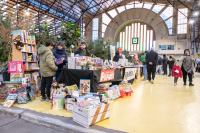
[70, 34]
[100, 48]
[5, 39]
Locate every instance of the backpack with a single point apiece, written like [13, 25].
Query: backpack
[143, 58]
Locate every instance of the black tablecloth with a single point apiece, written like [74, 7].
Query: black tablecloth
[73, 76]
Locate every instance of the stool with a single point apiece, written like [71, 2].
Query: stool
[122, 93]
[128, 93]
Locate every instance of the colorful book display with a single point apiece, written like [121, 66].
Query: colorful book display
[116, 93]
[57, 102]
[15, 67]
[71, 88]
[32, 96]
[84, 85]
[22, 96]
[16, 76]
[10, 100]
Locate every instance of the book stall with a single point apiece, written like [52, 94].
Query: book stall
[86, 87]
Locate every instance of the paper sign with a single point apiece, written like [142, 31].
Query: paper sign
[112, 51]
[107, 75]
[120, 51]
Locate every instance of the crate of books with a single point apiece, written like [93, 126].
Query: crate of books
[88, 110]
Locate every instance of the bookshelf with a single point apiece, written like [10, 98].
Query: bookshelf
[28, 54]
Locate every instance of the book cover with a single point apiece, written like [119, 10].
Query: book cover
[10, 100]
[22, 97]
[57, 102]
[33, 39]
[84, 85]
[16, 76]
[27, 75]
[32, 96]
[15, 67]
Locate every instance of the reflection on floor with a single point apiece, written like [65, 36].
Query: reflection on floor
[152, 108]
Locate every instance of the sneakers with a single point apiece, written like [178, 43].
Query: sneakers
[149, 81]
[43, 98]
[184, 84]
[191, 84]
[152, 82]
[144, 80]
[48, 99]
[175, 84]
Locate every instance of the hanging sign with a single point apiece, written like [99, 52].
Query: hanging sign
[120, 51]
[135, 41]
[107, 75]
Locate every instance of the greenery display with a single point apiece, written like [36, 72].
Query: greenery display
[70, 34]
[5, 40]
[100, 48]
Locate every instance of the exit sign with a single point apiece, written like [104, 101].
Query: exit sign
[135, 40]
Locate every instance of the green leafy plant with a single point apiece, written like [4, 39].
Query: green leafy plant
[70, 34]
[127, 56]
[5, 40]
[100, 48]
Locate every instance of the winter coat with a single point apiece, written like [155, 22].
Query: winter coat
[78, 51]
[117, 57]
[171, 63]
[47, 65]
[187, 64]
[134, 61]
[160, 61]
[152, 56]
[60, 53]
[164, 60]
[177, 74]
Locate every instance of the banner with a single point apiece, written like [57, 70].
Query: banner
[120, 51]
[129, 73]
[112, 51]
[107, 75]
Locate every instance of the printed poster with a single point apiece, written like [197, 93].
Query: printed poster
[112, 51]
[107, 75]
[15, 67]
[84, 85]
[129, 73]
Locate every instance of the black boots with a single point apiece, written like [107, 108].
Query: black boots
[191, 84]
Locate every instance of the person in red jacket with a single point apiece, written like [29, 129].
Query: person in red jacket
[176, 73]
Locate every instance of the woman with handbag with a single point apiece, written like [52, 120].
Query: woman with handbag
[60, 55]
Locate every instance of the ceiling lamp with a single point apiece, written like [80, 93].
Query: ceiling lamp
[191, 21]
[196, 13]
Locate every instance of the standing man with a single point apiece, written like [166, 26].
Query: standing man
[143, 59]
[151, 60]
[164, 61]
[47, 68]
[82, 51]
[159, 66]
[173, 58]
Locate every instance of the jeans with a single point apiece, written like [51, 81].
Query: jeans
[175, 79]
[170, 71]
[46, 83]
[151, 69]
[165, 69]
[145, 71]
[57, 75]
[159, 67]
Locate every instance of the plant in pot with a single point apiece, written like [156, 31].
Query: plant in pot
[5, 45]
[70, 34]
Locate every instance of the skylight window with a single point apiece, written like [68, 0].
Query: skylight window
[169, 23]
[4, 7]
[158, 8]
[182, 21]
[121, 9]
[147, 6]
[104, 27]
[138, 4]
[105, 19]
[168, 12]
[112, 13]
[129, 5]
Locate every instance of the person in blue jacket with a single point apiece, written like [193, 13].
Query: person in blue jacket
[60, 52]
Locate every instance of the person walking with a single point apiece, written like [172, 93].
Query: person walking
[164, 61]
[144, 63]
[82, 51]
[171, 65]
[117, 56]
[151, 60]
[177, 73]
[60, 53]
[159, 66]
[188, 65]
[47, 68]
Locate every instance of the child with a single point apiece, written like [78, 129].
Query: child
[176, 72]
[171, 65]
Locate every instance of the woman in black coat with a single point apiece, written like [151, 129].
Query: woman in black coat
[117, 56]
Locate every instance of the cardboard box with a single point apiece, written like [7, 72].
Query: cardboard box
[70, 100]
[87, 117]
[69, 107]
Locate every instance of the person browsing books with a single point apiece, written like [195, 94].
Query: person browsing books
[47, 68]
[61, 54]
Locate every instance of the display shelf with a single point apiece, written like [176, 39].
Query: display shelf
[27, 52]
[31, 61]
